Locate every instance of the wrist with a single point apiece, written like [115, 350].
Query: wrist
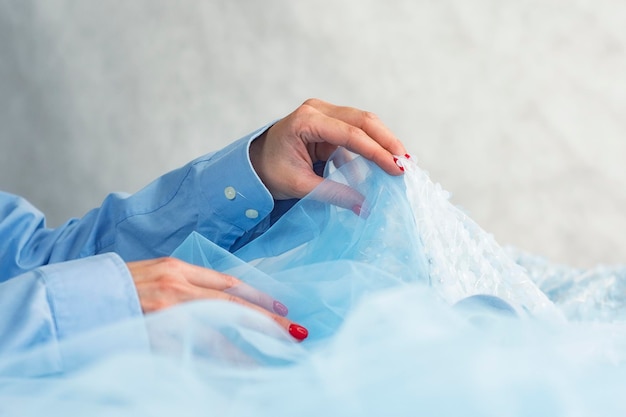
[256, 153]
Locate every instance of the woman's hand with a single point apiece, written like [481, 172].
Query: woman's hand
[164, 282]
[283, 156]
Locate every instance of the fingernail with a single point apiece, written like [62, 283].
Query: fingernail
[298, 332]
[360, 211]
[407, 156]
[280, 308]
[398, 164]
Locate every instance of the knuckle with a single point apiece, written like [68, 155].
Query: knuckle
[230, 281]
[299, 186]
[169, 283]
[302, 124]
[312, 102]
[369, 117]
[304, 112]
[354, 132]
[171, 265]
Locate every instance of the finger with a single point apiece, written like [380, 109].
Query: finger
[259, 298]
[332, 192]
[338, 155]
[297, 331]
[210, 279]
[165, 282]
[322, 128]
[351, 172]
[366, 121]
[341, 195]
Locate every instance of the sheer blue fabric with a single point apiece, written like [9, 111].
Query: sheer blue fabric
[411, 308]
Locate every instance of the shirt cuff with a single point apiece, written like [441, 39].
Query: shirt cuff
[89, 293]
[235, 192]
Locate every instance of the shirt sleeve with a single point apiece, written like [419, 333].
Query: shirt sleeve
[218, 195]
[54, 302]
[55, 283]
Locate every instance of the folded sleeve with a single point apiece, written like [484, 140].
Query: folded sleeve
[55, 302]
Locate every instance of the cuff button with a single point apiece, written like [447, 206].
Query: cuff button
[230, 193]
[252, 214]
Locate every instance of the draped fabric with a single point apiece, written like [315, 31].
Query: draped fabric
[412, 309]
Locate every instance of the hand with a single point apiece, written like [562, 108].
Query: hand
[164, 282]
[283, 156]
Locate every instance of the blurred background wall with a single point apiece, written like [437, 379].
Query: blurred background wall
[518, 107]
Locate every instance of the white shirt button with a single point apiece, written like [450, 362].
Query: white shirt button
[252, 214]
[230, 193]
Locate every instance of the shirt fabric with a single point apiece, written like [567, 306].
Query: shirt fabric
[57, 283]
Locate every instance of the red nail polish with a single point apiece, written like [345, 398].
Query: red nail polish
[397, 164]
[407, 156]
[280, 308]
[298, 332]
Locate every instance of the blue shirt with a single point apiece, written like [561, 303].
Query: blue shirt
[56, 283]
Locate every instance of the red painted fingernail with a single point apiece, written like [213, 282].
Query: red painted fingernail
[298, 332]
[280, 308]
[397, 164]
[357, 209]
[407, 156]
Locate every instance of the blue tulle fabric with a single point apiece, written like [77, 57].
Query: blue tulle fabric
[412, 309]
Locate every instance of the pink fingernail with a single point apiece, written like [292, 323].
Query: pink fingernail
[280, 308]
[360, 211]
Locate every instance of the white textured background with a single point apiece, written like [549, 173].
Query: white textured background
[518, 107]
